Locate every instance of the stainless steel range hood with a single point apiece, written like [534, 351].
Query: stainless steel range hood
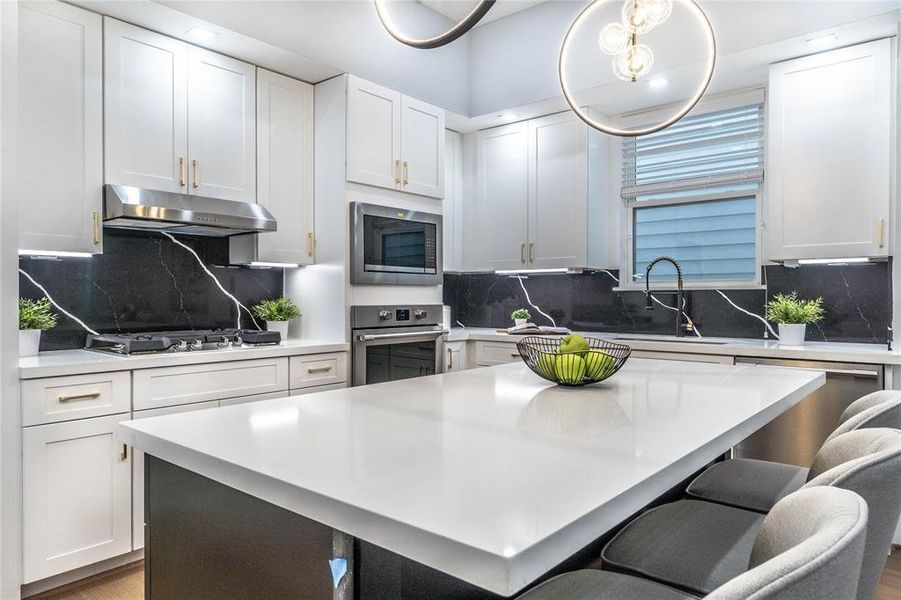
[128, 207]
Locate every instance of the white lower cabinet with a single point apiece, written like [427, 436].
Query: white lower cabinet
[489, 354]
[454, 356]
[76, 490]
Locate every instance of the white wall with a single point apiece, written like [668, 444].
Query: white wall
[349, 36]
[10, 444]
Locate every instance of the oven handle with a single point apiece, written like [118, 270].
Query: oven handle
[396, 336]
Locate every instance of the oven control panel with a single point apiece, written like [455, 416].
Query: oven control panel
[402, 314]
[395, 316]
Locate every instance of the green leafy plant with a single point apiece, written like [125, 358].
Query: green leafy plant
[790, 310]
[36, 314]
[520, 313]
[280, 309]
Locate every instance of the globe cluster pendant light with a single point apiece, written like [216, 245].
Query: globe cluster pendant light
[467, 23]
[633, 60]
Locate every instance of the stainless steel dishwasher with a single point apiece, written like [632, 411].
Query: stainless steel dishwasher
[795, 436]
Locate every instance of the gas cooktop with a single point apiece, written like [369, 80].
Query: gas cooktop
[179, 341]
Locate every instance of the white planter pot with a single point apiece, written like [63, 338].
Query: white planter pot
[791, 334]
[520, 322]
[29, 342]
[279, 326]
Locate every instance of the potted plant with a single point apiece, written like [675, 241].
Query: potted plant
[520, 316]
[35, 316]
[277, 313]
[793, 314]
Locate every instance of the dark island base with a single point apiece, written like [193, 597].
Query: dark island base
[207, 541]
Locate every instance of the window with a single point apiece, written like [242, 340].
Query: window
[692, 192]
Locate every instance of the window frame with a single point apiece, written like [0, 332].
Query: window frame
[630, 205]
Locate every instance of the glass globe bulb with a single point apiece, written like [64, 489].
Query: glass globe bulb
[637, 18]
[613, 39]
[659, 10]
[633, 62]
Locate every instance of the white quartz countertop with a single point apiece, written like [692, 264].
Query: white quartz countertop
[76, 362]
[492, 475]
[825, 351]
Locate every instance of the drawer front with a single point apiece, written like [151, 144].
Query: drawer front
[495, 353]
[255, 398]
[318, 388]
[171, 386]
[57, 399]
[699, 358]
[318, 369]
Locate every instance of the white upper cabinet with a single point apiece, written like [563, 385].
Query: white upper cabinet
[422, 148]
[60, 155]
[558, 192]
[285, 166]
[178, 118]
[373, 134]
[501, 199]
[145, 82]
[829, 169]
[221, 126]
[452, 204]
[394, 141]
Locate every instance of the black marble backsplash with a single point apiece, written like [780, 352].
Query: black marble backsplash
[145, 282]
[857, 299]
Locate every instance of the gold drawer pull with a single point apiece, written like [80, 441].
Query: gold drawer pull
[196, 182]
[450, 358]
[124, 453]
[182, 171]
[311, 244]
[397, 171]
[406, 173]
[96, 220]
[514, 355]
[318, 369]
[881, 232]
[522, 253]
[71, 397]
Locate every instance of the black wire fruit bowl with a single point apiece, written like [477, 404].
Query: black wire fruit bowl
[599, 362]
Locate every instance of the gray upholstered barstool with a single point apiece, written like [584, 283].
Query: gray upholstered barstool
[698, 546]
[809, 546]
[758, 484]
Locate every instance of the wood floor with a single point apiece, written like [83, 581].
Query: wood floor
[127, 583]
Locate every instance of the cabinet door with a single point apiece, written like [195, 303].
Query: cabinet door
[455, 359]
[829, 169]
[60, 128]
[145, 108]
[453, 202]
[285, 166]
[76, 509]
[137, 458]
[502, 193]
[373, 134]
[422, 148]
[221, 126]
[558, 192]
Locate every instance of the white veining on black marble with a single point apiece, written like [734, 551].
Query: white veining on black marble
[859, 310]
[109, 299]
[749, 313]
[238, 305]
[54, 303]
[181, 299]
[532, 304]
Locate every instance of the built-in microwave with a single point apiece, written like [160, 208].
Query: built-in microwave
[394, 246]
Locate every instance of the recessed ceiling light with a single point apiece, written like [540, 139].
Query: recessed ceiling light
[199, 33]
[658, 82]
[823, 41]
[508, 116]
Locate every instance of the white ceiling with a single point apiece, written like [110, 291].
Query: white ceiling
[455, 10]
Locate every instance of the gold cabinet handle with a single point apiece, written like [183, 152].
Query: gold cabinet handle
[71, 397]
[881, 232]
[450, 358]
[531, 251]
[318, 369]
[522, 253]
[124, 453]
[406, 173]
[397, 171]
[311, 244]
[196, 182]
[514, 355]
[95, 216]
[182, 171]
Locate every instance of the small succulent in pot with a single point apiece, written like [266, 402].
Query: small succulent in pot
[35, 316]
[520, 316]
[276, 312]
[793, 315]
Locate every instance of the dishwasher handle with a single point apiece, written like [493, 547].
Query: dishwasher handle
[859, 373]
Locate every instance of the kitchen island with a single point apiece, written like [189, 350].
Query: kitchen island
[472, 484]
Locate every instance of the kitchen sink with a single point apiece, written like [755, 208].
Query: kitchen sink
[674, 340]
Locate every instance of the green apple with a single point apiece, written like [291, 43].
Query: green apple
[598, 365]
[570, 368]
[547, 364]
[573, 343]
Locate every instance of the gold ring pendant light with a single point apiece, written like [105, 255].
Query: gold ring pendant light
[467, 23]
[633, 60]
